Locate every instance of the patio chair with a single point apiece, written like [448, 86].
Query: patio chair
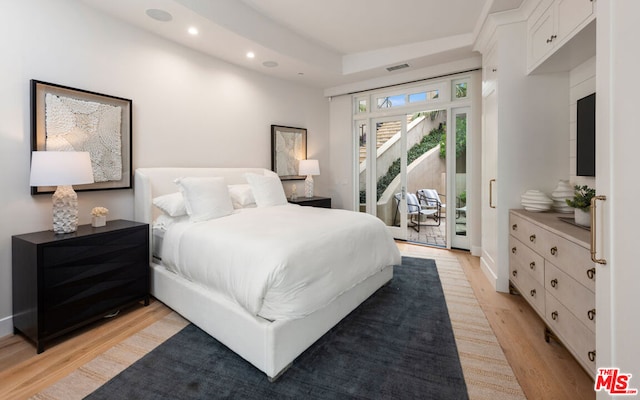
[430, 200]
[414, 210]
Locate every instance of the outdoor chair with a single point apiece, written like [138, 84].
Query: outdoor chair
[414, 210]
[430, 200]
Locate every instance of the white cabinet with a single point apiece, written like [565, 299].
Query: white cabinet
[550, 266]
[514, 138]
[552, 24]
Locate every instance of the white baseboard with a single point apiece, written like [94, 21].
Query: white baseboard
[6, 326]
[476, 251]
[488, 272]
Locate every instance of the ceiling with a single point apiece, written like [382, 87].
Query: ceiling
[321, 43]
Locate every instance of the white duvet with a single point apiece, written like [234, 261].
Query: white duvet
[280, 262]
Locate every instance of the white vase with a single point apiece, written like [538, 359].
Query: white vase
[97, 222]
[582, 217]
[560, 194]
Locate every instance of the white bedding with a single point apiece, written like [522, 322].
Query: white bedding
[281, 262]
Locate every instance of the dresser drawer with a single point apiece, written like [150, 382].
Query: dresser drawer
[577, 337]
[577, 298]
[526, 259]
[571, 258]
[531, 290]
[528, 233]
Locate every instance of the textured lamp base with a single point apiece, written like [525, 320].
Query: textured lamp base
[308, 186]
[65, 210]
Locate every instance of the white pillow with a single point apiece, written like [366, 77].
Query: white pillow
[205, 198]
[267, 190]
[171, 204]
[242, 196]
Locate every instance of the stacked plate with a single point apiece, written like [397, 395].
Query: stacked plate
[535, 200]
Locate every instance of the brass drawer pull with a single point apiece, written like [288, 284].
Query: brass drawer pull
[591, 273]
[592, 355]
[554, 283]
[554, 250]
[532, 265]
[514, 227]
[514, 250]
[533, 293]
[554, 315]
[591, 314]
[532, 238]
[515, 273]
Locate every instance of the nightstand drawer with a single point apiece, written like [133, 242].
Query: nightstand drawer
[322, 202]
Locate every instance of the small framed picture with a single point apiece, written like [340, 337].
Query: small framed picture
[288, 147]
[68, 119]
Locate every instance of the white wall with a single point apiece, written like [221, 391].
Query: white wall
[582, 81]
[188, 109]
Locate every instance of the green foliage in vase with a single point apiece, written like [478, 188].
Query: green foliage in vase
[582, 196]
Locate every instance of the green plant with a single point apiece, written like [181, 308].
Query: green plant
[582, 196]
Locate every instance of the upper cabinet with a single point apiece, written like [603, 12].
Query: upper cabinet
[552, 25]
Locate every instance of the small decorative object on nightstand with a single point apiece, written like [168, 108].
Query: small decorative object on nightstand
[99, 216]
[309, 168]
[316, 201]
[294, 193]
[61, 282]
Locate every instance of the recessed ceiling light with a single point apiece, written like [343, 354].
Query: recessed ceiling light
[270, 64]
[251, 54]
[193, 30]
[159, 15]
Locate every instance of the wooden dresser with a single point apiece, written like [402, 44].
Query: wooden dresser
[550, 265]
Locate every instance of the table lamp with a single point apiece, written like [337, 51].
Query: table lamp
[62, 169]
[308, 168]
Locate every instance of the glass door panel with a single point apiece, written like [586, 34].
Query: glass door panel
[459, 211]
[389, 180]
[361, 168]
[426, 177]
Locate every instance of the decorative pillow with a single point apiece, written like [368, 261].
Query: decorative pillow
[171, 204]
[267, 190]
[242, 196]
[205, 198]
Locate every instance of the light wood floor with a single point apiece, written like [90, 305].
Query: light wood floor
[544, 370]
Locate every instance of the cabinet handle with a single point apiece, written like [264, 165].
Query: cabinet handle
[494, 69]
[549, 40]
[554, 315]
[515, 273]
[554, 250]
[532, 265]
[532, 238]
[533, 293]
[592, 355]
[514, 250]
[591, 273]
[553, 37]
[593, 230]
[491, 182]
[591, 314]
[554, 283]
[514, 227]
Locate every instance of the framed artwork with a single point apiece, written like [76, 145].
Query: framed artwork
[288, 147]
[68, 119]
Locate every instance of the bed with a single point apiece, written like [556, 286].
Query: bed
[309, 272]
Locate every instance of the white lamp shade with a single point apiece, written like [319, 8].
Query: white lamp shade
[60, 168]
[309, 167]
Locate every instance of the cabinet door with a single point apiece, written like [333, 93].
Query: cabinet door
[541, 36]
[570, 14]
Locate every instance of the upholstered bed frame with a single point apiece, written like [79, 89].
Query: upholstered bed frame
[271, 346]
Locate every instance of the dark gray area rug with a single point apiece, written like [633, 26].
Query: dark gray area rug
[398, 344]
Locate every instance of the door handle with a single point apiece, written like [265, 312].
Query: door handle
[593, 230]
[491, 182]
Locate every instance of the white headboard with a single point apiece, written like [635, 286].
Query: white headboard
[154, 182]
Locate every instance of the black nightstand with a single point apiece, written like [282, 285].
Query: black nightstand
[315, 201]
[64, 281]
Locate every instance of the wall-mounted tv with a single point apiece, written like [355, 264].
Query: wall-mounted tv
[586, 136]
